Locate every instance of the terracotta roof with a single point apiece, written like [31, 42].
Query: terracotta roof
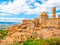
[43, 13]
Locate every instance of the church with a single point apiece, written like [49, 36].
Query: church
[45, 22]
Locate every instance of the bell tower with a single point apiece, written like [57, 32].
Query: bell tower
[54, 12]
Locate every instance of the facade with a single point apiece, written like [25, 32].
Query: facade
[42, 27]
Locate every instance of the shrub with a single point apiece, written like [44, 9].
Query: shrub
[52, 41]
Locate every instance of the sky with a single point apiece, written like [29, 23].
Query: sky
[18, 10]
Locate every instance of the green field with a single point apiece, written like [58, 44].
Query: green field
[52, 41]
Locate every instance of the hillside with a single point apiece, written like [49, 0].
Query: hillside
[52, 41]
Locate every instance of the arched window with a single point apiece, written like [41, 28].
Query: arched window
[20, 31]
[18, 37]
[24, 27]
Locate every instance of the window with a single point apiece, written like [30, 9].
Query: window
[15, 37]
[53, 34]
[31, 36]
[18, 37]
[58, 27]
[20, 31]
[24, 27]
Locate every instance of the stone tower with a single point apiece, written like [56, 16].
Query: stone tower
[36, 22]
[54, 12]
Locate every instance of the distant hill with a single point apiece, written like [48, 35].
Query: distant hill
[5, 25]
[10, 23]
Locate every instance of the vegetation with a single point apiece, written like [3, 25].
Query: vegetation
[52, 41]
[3, 33]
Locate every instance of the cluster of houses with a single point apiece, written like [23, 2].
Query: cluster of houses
[42, 27]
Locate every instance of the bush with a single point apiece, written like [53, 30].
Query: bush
[3, 33]
[52, 41]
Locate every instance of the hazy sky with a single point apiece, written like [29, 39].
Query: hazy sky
[17, 10]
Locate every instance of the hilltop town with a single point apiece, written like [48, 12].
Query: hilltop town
[42, 27]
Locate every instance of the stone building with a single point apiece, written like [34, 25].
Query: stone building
[42, 27]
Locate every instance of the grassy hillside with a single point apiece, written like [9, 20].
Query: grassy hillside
[3, 33]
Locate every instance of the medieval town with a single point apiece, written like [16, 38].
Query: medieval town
[42, 27]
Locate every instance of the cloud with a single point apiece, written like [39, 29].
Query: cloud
[4, 14]
[24, 6]
[11, 19]
[13, 8]
[46, 6]
[50, 15]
